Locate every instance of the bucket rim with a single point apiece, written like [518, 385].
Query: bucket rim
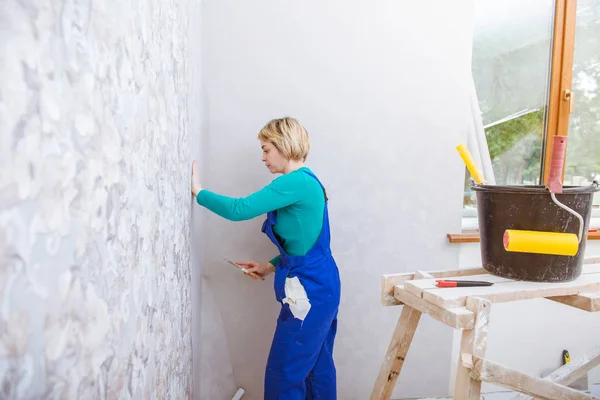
[534, 189]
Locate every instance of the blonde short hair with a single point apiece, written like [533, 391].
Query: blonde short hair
[288, 136]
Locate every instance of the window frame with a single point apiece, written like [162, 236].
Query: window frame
[560, 97]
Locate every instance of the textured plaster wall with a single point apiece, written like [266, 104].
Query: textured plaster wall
[95, 288]
[382, 88]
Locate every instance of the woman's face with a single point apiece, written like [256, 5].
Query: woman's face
[272, 158]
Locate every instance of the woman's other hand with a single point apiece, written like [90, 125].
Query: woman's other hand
[260, 269]
[196, 186]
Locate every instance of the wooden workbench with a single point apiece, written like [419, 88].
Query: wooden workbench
[468, 309]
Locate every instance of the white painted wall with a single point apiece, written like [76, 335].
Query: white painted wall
[382, 87]
[212, 371]
[530, 335]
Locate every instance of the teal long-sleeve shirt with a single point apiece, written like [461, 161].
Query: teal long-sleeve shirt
[298, 199]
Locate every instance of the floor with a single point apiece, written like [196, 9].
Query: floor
[594, 390]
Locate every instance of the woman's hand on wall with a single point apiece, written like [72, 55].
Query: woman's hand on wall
[261, 269]
[196, 186]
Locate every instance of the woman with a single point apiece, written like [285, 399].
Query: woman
[307, 284]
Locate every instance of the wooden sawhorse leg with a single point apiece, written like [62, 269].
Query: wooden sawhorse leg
[396, 353]
[474, 341]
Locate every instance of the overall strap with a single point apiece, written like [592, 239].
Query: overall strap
[309, 173]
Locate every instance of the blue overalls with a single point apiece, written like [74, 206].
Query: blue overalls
[300, 364]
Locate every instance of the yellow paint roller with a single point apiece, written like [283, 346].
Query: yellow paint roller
[468, 160]
[554, 243]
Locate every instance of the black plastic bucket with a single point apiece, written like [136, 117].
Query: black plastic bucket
[531, 208]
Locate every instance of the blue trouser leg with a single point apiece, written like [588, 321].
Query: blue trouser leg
[321, 382]
[298, 347]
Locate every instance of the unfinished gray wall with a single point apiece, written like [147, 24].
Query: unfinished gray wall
[95, 294]
[382, 88]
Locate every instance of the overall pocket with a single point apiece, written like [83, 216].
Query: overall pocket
[281, 274]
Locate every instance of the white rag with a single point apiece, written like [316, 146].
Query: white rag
[296, 297]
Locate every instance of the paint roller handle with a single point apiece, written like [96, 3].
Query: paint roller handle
[554, 182]
[557, 162]
[468, 160]
[573, 212]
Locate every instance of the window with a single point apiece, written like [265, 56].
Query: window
[583, 144]
[522, 53]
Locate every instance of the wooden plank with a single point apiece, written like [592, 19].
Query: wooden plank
[572, 371]
[396, 353]
[577, 368]
[389, 281]
[423, 275]
[458, 272]
[510, 291]
[463, 237]
[592, 260]
[584, 301]
[458, 318]
[418, 287]
[473, 341]
[488, 371]
[591, 269]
